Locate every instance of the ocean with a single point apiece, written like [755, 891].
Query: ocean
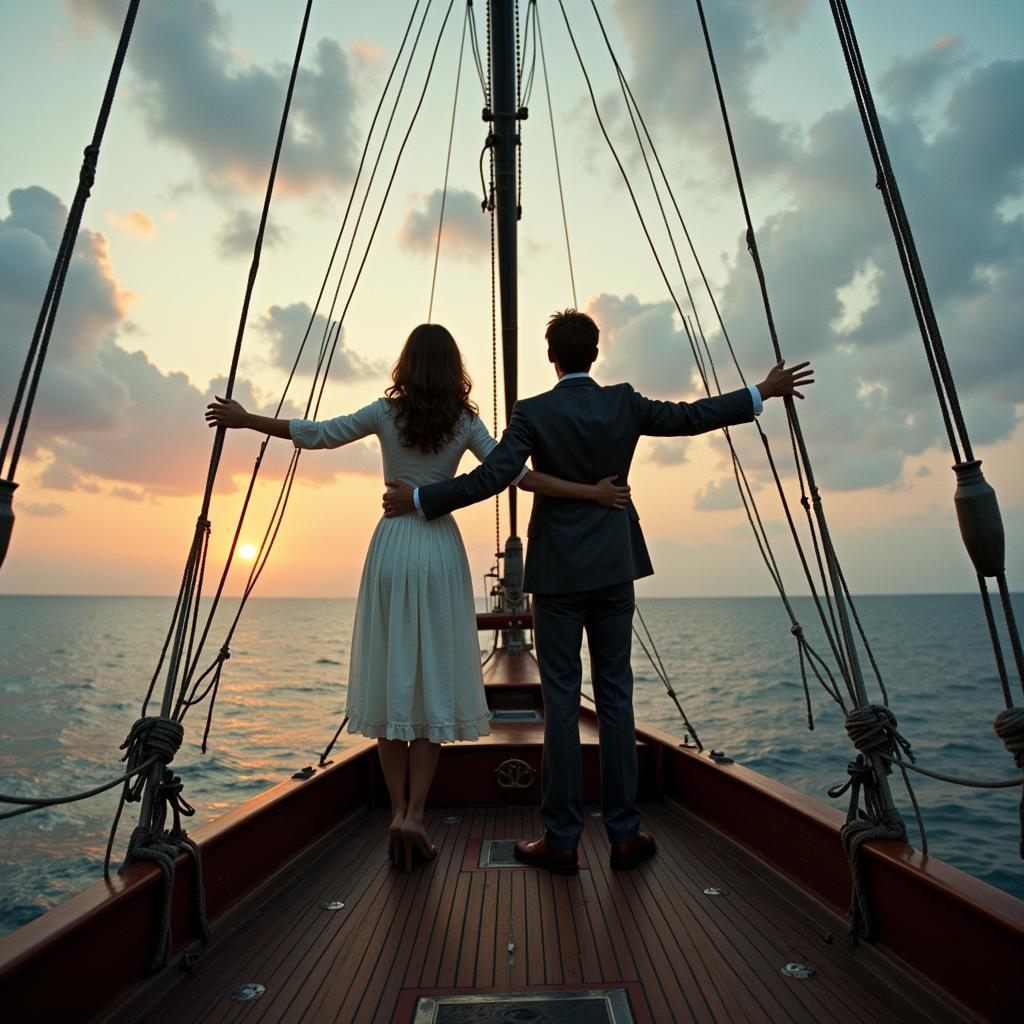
[73, 671]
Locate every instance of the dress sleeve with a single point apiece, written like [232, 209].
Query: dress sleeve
[481, 444]
[338, 431]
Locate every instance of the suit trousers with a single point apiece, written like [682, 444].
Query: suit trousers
[606, 615]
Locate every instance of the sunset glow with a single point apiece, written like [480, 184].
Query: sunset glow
[151, 312]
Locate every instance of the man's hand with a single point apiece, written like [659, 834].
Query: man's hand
[397, 499]
[226, 412]
[609, 494]
[781, 382]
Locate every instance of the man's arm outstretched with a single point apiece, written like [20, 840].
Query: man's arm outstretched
[670, 419]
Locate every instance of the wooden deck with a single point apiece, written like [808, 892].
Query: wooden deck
[681, 955]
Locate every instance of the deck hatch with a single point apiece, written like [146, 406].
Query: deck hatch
[498, 853]
[483, 854]
[516, 715]
[578, 1006]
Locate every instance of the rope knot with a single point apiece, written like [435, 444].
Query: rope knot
[170, 789]
[1009, 727]
[872, 730]
[87, 175]
[224, 654]
[797, 630]
[152, 735]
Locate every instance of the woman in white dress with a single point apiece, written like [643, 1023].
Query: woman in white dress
[414, 669]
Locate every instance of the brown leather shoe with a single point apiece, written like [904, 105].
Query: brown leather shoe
[629, 855]
[539, 854]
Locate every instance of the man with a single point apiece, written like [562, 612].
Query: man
[581, 562]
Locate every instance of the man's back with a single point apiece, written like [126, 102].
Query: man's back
[583, 432]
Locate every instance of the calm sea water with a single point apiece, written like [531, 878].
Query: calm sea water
[73, 671]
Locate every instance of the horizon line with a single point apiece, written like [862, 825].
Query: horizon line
[651, 597]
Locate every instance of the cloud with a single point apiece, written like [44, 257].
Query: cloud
[909, 81]
[48, 510]
[284, 328]
[668, 452]
[103, 412]
[58, 476]
[237, 235]
[954, 185]
[717, 496]
[195, 90]
[672, 82]
[128, 493]
[77, 392]
[134, 223]
[839, 295]
[641, 343]
[466, 231]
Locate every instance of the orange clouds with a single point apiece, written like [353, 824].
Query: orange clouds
[134, 223]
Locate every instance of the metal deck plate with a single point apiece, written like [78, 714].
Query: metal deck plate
[580, 1006]
[516, 715]
[498, 853]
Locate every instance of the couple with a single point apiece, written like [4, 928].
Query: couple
[414, 675]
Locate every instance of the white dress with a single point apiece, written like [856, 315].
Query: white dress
[414, 668]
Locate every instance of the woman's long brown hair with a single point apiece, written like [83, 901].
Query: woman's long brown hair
[431, 389]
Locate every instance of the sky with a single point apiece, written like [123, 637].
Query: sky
[117, 451]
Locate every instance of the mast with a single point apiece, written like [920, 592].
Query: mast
[504, 140]
[504, 116]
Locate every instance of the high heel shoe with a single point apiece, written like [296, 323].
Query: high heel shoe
[415, 850]
[395, 851]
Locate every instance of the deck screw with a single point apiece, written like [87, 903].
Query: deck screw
[713, 890]
[799, 971]
[246, 993]
[332, 905]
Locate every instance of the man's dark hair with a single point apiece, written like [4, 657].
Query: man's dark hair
[572, 338]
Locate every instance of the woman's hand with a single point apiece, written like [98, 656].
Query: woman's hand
[226, 412]
[609, 494]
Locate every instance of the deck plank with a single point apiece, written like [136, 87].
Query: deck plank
[695, 958]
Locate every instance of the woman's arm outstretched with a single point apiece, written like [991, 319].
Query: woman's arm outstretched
[226, 412]
[604, 492]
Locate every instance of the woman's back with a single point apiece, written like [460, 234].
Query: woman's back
[401, 462]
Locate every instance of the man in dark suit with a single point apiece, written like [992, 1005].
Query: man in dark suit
[581, 562]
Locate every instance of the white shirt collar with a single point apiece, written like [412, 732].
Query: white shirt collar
[569, 376]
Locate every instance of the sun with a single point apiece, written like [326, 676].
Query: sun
[246, 551]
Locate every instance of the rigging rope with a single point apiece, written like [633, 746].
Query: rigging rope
[799, 635]
[447, 164]
[884, 820]
[160, 791]
[764, 544]
[332, 329]
[40, 343]
[840, 587]
[286, 486]
[558, 167]
[662, 673]
[477, 60]
[976, 505]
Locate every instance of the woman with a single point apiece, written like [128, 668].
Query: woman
[414, 672]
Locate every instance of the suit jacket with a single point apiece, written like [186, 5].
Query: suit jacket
[583, 432]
